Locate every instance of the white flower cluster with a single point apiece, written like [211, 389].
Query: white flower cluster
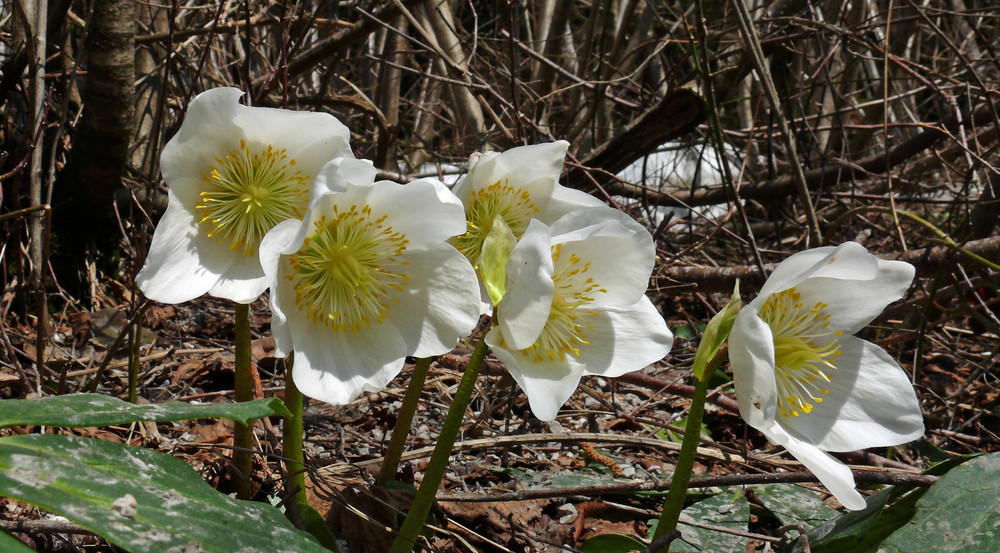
[364, 273]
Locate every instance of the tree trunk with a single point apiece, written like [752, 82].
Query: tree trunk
[86, 187]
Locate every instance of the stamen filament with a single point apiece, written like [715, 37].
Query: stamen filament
[347, 274]
[250, 194]
[805, 351]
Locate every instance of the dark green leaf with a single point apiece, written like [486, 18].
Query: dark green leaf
[728, 509]
[793, 504]
[313, 522]
[98, 410]
[685, 332]
[141, 500]
[862, 531]
[959, 513]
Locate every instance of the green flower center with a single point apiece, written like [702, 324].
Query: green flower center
[511, 203]
[250, 194]
[565, 329]
[344, 275]
[805, 351]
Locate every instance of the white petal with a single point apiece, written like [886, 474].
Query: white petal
[619, 251]
[565, 199]
[603, 221]
[178, 268]
[441, 303]
[336, 367]
[852, 304]
[339, 174]
[445, 195]
[416, 209]
[282, 297]
[751, 355]
[871, 403]
[243, 281]
[208, 131]
[310, 138]
[535, 169]
[523, 312]
[285, 238]
[625, 339]
[848, 261]
[835, 475]
[547, 384]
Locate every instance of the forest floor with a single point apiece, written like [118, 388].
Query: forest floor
[514, 483]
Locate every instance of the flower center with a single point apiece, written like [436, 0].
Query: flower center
[343, 274]
[250, 194]
[511, 203]
[565, 329]
[805, 351]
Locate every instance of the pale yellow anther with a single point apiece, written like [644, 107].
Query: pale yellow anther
[508, 201]
[250, 193]
[345, 275]
[805, 351]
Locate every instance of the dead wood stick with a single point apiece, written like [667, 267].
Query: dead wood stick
[722, 279]
[828, 176]
[860, 477]
[677, 114]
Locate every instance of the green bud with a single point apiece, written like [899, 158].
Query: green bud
[715, 335]
[496, 252]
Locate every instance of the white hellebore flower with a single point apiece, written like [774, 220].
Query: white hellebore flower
[576, 305]
[233, 172]
[802, 378]
[366, 279]
[517, 185]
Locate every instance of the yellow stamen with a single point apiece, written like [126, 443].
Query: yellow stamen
[251, 193]
[512, 203]
[347, 273]
[565, 331]
[805, 351]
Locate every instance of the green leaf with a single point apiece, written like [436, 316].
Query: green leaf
[98, 410]
[793, 504]
[10, 544]
[728, 509]
[496, 252]
[313, 522]
[612, 543]
[688, 332]
[579, 480]
[959, 513]
[138, 499]
[716, 334]
[862, 531]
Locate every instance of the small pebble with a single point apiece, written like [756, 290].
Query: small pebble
[568, 512]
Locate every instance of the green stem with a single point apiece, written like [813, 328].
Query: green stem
[390, 463]
[417, 514]
[242, 434]
[291, 438]
[135, 334]
[685, 462]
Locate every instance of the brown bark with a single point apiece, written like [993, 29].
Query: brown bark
[85, 189]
